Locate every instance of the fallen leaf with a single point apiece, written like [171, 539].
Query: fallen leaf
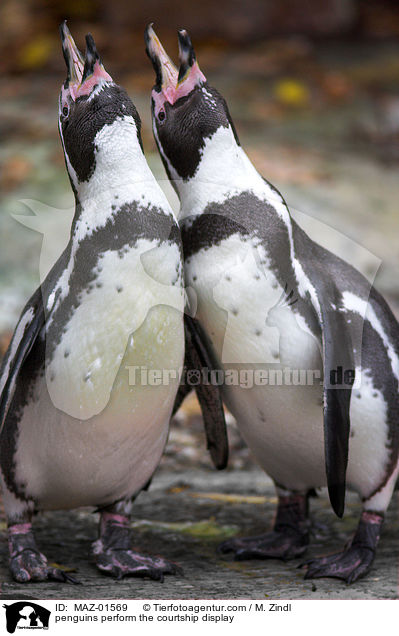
[337, 87]
[231, 498]
[175, 490]
[206, 529]
[15, 170]
[291, 92]
[63, 568]
[36, 53]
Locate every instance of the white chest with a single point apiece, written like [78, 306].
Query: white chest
[243, 307]
[105, 325]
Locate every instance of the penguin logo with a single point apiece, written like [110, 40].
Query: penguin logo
[26, 615]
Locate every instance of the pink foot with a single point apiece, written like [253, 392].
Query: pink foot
[113, 555]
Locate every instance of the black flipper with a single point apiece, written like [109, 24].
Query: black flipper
[30, 324]
[183, 391]
[338, 359]
[197, 359]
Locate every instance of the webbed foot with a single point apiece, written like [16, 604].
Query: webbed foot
[355, 561]
[272, 545]
[113, 555]
[288, 539]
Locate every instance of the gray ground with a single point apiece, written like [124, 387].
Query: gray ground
[186, 527]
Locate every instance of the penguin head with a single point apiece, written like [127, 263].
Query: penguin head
[89, 101]
[185, 109]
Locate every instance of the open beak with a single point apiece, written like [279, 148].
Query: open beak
[166, 72]
[73, 59]
[82, 74]
[170, 81]
[94, 72]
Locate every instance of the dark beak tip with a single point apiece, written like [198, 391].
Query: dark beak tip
[151, 53]
[184, 39]
[63, 27]
[64, 32]
[91, 45]
[186, 52]
[147, 39]
[91, 56]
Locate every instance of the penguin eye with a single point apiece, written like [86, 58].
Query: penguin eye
[161, 115]
[65, 111]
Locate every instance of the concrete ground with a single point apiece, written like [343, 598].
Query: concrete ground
[184, 516]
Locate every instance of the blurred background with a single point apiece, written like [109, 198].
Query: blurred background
[312, 85]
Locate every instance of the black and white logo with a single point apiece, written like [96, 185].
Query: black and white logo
[26, 615]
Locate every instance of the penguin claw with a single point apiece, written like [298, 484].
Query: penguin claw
[349, 565]
[272, 545]
[55, 574]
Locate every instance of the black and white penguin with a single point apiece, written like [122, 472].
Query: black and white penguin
[341, 427]
[78, 425]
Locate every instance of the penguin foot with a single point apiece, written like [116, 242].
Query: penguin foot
[356, 560]
[27, 563]
[272, 545]
[288, 539]
[113, 555]
[349, 565]
[120, 563]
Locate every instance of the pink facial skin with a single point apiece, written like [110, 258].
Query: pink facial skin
[159, 101]
[192, 78]
[77, 89]
[99, 75]
[171, 93]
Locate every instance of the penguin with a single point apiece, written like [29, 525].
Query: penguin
[78, 427]
[340, 428]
